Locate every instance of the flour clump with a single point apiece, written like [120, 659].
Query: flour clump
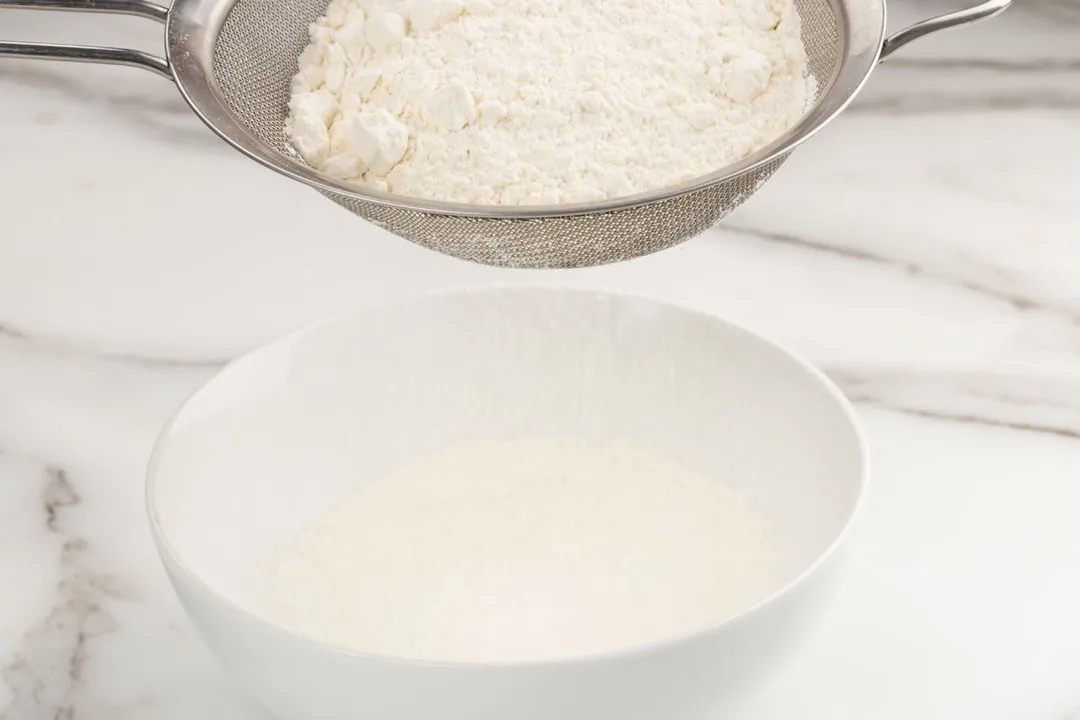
[525, 102]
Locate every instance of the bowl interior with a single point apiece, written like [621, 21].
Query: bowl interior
[280, 435]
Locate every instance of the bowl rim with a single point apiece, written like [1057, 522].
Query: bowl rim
[172, 559]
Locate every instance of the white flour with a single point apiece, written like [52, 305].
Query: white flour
[523, 551]
[544, 101]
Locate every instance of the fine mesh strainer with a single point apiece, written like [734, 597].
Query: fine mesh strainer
[233, 61]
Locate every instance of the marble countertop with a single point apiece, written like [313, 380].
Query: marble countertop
[924, 250]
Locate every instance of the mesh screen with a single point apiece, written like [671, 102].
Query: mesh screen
[255, 59]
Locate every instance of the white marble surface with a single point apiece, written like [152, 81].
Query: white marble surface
[925, 250]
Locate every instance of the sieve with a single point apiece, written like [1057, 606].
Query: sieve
[233, 61]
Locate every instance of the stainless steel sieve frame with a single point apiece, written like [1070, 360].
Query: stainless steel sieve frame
[192, 28]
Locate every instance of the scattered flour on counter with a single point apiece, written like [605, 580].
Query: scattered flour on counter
[525, 550]
[517, 102]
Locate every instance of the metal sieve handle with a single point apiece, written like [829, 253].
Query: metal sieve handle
[86, 53]
[988, 9]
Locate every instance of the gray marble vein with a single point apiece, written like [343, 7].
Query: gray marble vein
[920, 85]
[966, 419]
[11, 332]
[1031, 64]
[1025, 403]
[1004, 101]
[145, 361]
[1010, 65]
[46, 672]
[1057, 10]
[1019, 302]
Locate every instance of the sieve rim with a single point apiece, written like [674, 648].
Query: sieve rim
[192, 32]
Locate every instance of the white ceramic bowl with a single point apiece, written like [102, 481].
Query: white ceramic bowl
[281, 434]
